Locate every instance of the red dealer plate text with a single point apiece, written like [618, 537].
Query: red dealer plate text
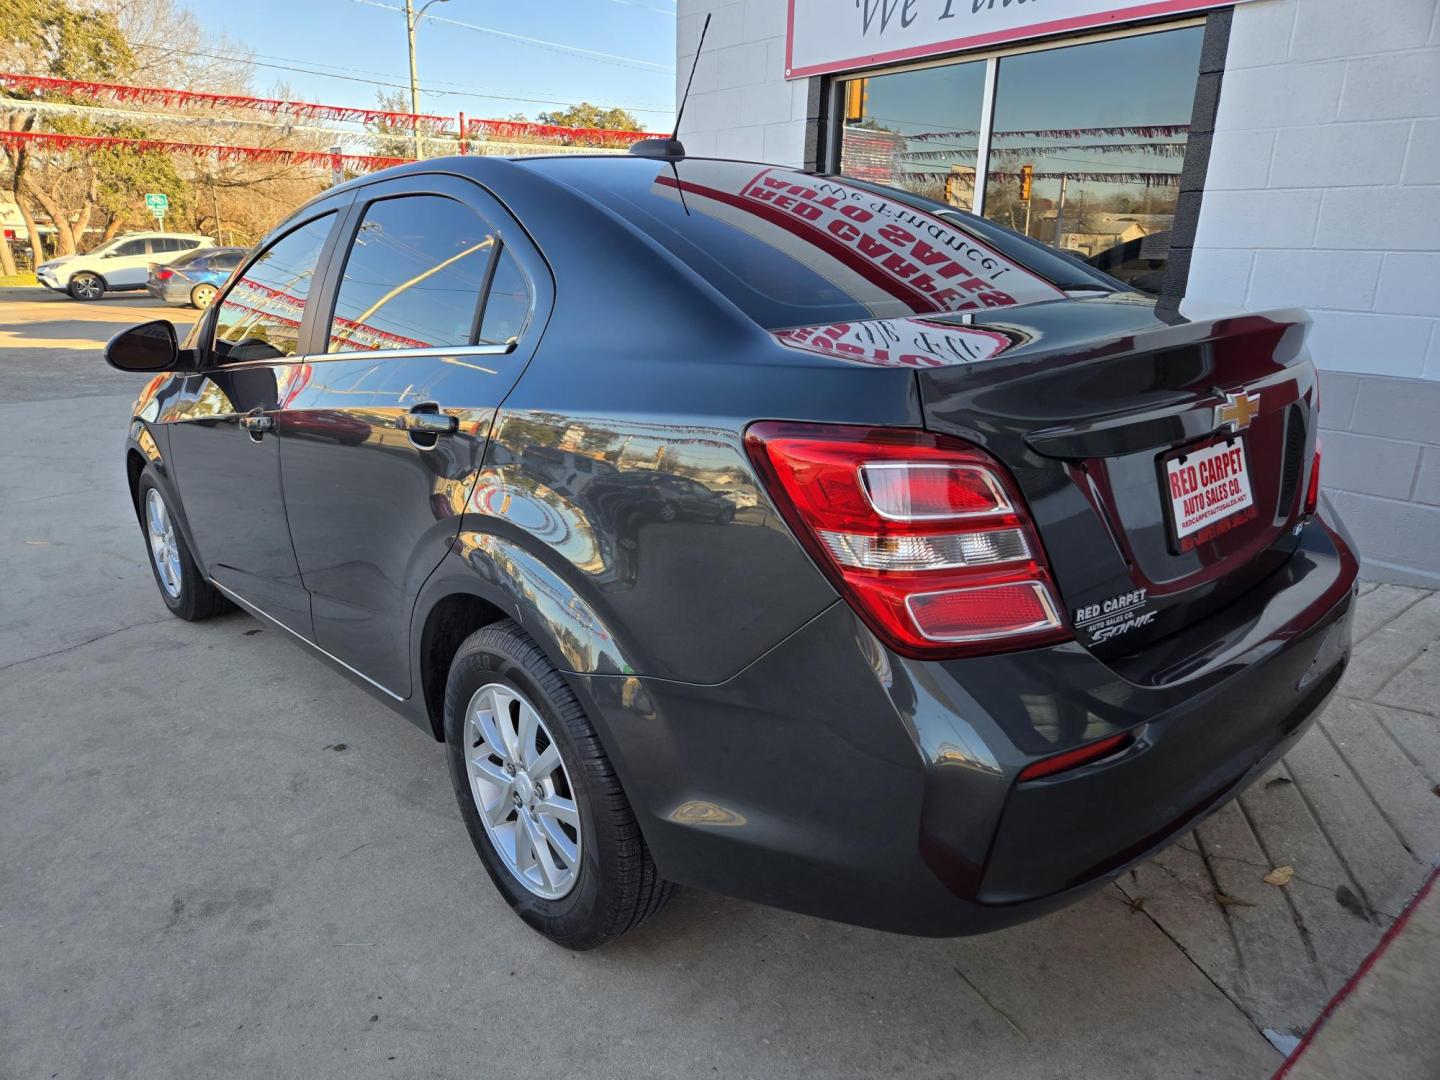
[1207, 486]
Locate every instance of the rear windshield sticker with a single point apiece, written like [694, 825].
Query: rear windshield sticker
[911, 342]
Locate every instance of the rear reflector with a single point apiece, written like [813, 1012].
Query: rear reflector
[1312, 490]
[1073, 759]
[926, 537]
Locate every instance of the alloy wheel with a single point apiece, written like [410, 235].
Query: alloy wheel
[522, 791]
[202, 296]
[87, 287]
[164, 547]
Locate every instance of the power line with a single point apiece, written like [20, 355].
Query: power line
[540, 43]
[379, 80]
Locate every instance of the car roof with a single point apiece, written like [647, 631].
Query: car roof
[177, 235]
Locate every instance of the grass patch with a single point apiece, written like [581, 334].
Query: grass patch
[18, 279]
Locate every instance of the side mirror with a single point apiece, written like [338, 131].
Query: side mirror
[149, 347]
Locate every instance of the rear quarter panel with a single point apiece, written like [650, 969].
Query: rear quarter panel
[616, 466]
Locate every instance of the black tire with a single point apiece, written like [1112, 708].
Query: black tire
[197, 599]
[86, 286]
[616, 887]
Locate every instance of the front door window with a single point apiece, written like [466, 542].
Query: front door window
[260, 316]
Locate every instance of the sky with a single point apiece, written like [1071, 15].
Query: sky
[461, 69]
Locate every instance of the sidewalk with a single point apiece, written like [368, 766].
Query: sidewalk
[1353, 812]
[1383, 1021]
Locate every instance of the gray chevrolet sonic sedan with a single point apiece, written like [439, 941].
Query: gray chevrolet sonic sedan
[774, 533]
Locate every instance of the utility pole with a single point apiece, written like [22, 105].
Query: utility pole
[412, 20]
[1060, 210]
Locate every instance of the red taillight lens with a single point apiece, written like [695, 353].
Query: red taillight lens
[1312, 490]
[163, 274]
[1073, 759]
[925, 536]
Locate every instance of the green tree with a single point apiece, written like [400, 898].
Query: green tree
[67, 40]
[586, 115]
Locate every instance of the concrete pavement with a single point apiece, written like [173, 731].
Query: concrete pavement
[220, 858]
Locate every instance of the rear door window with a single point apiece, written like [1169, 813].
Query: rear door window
[260, 315]
[508, 305]
[414, 276]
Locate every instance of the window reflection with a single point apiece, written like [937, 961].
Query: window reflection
[916, 130]
[1101, 131]
[414, 276]
[507, 307]
[259, 319]
[1087, 143]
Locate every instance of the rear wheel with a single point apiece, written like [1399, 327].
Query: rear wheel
[539, 797]
[183, 588]
[87, 286]
[202, 296]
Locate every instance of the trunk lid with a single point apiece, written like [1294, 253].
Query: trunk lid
[1088, 401]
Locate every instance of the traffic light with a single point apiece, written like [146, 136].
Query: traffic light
[857, 99]
[1027, 180]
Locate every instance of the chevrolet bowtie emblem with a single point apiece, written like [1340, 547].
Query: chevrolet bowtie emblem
[1237, 412]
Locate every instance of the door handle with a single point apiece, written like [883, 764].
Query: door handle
[428, 422]
[257, 423]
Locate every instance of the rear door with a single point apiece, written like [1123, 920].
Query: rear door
[223, 444]
[127, 266]
[430, 321]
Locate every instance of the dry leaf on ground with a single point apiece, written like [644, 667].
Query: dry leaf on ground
[1281, 875]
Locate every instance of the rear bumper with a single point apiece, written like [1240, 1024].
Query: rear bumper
[835, 778]
[170, 293]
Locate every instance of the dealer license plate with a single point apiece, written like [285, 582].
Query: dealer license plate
[1209, 492]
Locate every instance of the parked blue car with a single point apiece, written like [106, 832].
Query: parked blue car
[193, 279]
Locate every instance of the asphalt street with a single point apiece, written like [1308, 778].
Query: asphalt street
[222, 859]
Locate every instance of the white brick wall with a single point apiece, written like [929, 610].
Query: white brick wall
[1325, 170]
[740, 106]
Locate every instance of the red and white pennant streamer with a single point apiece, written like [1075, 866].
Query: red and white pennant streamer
[14, 141]
[171, 98]
[515, 129]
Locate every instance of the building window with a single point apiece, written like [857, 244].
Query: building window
[1081, 145]
[917, 130]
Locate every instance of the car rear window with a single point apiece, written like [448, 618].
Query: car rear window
[792, 249]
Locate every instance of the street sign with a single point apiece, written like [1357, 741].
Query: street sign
[158, 202]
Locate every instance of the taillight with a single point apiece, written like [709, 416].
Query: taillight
[1312, 490]
[927, 537]
[164, 274]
